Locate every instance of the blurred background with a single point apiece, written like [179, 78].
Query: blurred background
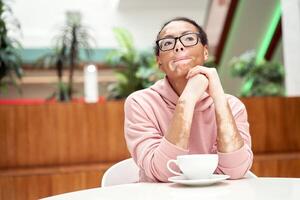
[60, 129]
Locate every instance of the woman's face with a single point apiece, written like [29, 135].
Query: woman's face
[177, 62]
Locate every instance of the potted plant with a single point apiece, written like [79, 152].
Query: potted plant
[73, 37]
[10, 60]
[260, 78]
[134, 70]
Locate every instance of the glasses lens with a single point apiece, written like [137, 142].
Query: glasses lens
[189, 39]
[166, 44]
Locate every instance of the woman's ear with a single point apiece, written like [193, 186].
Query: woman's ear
[206, 54]
[158, 62]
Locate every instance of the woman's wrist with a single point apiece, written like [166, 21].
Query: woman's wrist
[220, 100]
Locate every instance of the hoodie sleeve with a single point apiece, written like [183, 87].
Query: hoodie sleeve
[237, 163]
[150, 150]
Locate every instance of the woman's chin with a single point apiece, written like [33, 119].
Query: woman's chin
[180, 72]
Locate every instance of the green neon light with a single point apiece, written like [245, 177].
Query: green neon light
[269, 34]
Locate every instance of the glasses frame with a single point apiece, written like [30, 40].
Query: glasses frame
[177, 38]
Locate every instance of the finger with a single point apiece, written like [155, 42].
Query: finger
[197, 70]
[210, 73]
[192, 71]
[206, 71]
[209, 69]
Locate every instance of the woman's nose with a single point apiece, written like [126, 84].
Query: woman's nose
[179, 46]
[177, 49]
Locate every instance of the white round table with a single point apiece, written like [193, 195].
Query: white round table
[243, 189]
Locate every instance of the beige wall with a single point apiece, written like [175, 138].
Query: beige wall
[291, 45]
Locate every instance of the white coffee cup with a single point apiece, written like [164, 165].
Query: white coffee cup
[195, 166]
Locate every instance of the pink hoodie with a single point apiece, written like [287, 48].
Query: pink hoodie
[148, 114]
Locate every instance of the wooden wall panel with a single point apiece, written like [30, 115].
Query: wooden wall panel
[257, 119]
[70, 133]
[274, 123]
[61, 133]
[277, 165]
[36, 183]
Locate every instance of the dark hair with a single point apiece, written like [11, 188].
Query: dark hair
[202, 33]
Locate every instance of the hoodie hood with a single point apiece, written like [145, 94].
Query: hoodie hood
[165, 90]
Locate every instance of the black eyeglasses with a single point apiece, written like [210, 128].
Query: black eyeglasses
[169, 43]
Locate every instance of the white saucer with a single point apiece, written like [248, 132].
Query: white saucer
[198, 182]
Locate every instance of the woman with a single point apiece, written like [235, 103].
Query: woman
[187, 112]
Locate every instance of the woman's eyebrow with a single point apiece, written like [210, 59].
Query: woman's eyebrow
[184, 32]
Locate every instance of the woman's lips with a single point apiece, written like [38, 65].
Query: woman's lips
[182, 61]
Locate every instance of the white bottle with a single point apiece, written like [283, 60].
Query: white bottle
[91, 84]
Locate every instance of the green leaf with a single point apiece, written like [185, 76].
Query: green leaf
[122, 79]
[259, 79]
[137, 70]
[10, 61]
